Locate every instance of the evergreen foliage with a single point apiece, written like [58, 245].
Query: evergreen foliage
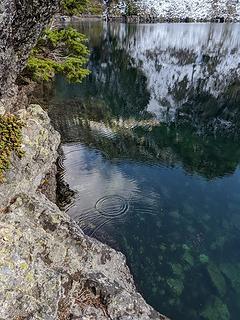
[132, 9]
[59, 52]
[77, 7]
[74, 7]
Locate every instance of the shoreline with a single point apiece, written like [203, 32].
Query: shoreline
[49, 268]
[50, 248]
[137, 19]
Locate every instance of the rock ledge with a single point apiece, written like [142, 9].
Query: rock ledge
[49, 269]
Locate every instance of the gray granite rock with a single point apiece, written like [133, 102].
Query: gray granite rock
[40, 143]
[50, 270]
[21, 22]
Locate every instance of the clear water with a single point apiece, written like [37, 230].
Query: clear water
[151, 152]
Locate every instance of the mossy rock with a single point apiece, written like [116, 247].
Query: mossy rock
[10, 141]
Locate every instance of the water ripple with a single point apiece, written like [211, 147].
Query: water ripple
[60, 162]
[99, 227]
[112, 206]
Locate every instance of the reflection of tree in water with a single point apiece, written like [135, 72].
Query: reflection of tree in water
[192, 72]
[209, 114]
[117, 89]
[170, 145]
[197, 88]
[114, 80]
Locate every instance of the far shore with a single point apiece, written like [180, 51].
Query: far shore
[139, 19]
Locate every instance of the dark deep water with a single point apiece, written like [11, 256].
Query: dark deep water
[151, 150]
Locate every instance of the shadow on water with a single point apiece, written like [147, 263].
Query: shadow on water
[150, 159]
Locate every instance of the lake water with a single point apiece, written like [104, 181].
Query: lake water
[150, 159]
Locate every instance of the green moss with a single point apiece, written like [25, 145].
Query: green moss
[95, 8]
[217, 278]
[217, 310]
[30, 276]
[10, 141]
[59, 52]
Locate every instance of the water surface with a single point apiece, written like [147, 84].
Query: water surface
[151, 152]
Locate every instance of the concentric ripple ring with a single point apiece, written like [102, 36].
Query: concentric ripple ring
[112, 206]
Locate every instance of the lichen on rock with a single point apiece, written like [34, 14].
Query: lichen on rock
[50, 270]
[10, 141]
[39, 143]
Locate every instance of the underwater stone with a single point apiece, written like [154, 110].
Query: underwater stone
[188, 258]
[178, 270]
[217, 278]
[176, 285]
[216, 310]
[203, 258]
[232, 272]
